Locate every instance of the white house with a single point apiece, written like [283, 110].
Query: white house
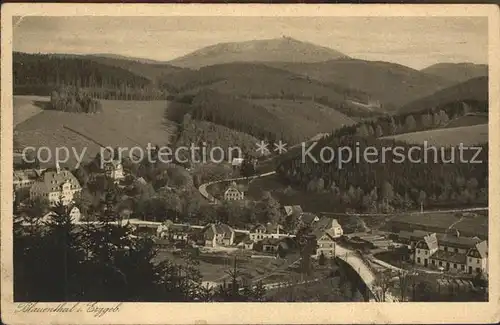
[452, 253]
[326, 231]
[260, 232]
[218, 235]
[234, 192]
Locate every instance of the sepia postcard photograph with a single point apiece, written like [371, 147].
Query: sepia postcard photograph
[221, 163]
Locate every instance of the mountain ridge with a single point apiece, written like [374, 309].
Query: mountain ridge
[457, 72]
[285, 49]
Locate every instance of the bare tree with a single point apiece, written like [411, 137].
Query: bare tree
[404, 281]
[383, 283]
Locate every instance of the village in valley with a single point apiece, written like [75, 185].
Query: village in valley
[304, 247]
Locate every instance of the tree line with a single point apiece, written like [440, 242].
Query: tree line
[39, 74]
[431, 118]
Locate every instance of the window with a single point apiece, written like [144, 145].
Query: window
[440, 263]
[478, 270]
[454, 266]
[433, 262]
[463, 267]
[470, 260]
[456, 250]
[418, 259]
[418, 251]
[445, 249]
[426, 252]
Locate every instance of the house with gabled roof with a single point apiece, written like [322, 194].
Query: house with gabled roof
[452, 253]
[25, 178]
[218, 234]
[326, 231]
[306, 219]
[270, 230]
[234, 192]
[292, 210]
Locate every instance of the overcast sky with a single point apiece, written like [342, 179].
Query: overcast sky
[413, 41]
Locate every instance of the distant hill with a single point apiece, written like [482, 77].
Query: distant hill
[457, 72]
[149, 69]
[127, 58]
[391, 84]
[283, 49]
[471, 90]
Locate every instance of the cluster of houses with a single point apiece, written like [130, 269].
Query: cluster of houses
[268, 238]
[448, 252]
[58, 185]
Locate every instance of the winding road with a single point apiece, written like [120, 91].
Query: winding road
[212, 199]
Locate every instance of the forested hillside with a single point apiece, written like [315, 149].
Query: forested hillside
[457, 72]
[210, 135]
[148, 69]
[39, 74]
[473, 90]
[376, 185]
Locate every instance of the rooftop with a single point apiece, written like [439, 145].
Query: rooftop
[450, 257]
[51, 181]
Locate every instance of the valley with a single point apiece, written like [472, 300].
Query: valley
[270, 211]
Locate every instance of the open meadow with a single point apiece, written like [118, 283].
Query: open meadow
[468, 135]
[214, 267]
[121, 123]
[26, 107]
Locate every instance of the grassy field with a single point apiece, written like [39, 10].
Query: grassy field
[25, 107]
[468, 225]
[121, 123]
[468, 120]
[468, 135]
[214, 266]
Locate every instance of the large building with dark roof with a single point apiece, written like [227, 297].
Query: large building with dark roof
[450, 251]
[56, 186]
[218, 234]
